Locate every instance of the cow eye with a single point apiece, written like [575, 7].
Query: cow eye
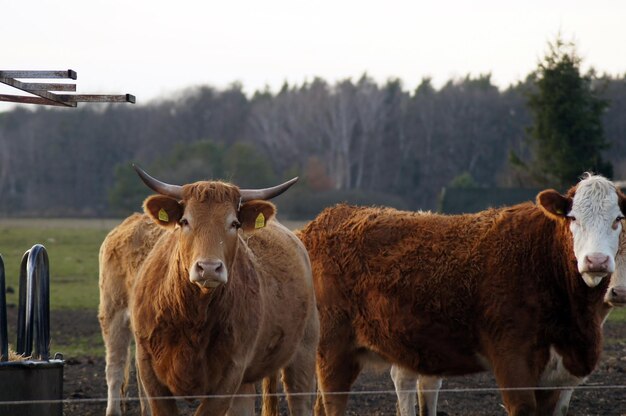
[571, 217]
[236, 224]
[619, 218]
[183, 222]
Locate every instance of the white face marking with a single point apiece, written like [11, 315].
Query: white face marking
[594, 228]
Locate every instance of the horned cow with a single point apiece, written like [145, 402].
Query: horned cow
[508, 290]
[220, 295]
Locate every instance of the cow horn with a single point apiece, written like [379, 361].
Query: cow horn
[174, 191]
[267, 193]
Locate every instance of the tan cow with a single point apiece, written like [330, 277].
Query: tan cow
[513, 290]
[218, 294]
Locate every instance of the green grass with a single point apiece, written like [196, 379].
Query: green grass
[72, 248]
[88, 345]
[618, 315]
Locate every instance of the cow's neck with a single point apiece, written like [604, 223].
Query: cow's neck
[579, 323]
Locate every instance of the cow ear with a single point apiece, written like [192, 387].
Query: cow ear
[553, 204]
[254, 215]
[163, 210]
[621, 199]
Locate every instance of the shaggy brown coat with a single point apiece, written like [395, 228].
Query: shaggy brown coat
[122, 253]
[450, 295]
[194, 340]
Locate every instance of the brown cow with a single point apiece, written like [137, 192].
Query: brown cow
[509, 290]
[220, 295]
[406, 381]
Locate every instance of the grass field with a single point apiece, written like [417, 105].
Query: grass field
[72, 247]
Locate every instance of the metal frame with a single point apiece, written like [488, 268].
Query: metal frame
[43, 91]
[4, 340]
[33, 315]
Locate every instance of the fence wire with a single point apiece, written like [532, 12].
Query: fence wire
[351, 393]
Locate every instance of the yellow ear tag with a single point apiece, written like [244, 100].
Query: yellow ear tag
[163, 215]
[260, 221]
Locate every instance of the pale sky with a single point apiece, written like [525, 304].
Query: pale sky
[156, 48]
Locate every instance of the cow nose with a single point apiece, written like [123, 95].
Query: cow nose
[596, 262]
[210, 268]
[617, 295]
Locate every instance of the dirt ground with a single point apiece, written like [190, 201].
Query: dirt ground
[603, 394]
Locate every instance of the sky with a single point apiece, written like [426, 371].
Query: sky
[155, 49]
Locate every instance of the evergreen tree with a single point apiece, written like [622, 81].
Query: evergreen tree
[567, 136]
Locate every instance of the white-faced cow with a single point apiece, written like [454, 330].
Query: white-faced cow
[513, 290]
[218, 295]
[408, 382]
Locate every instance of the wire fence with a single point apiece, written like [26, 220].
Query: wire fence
[464, 390]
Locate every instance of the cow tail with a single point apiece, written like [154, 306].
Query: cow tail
[270, 396]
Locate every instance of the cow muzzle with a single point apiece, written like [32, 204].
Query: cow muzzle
[616, 296]
[595, 267]
[209, 273]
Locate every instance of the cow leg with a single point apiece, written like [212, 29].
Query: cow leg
[153, 388]
[562, 405]
[144, 407]
[405, 382]
[547, 401]
[337, 366]
[428, 393]
[117, 335]
[215, 407]
[223, 399]
[299, 375]
[243, 406]
[512, 377]
[299, 384]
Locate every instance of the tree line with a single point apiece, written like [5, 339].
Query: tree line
[378, 142]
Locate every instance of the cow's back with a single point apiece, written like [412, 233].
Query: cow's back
[122, 253]
[357, 250]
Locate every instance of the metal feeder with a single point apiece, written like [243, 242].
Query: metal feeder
[33, 386]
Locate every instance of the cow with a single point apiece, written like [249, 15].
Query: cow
[406, 381]
[217, 295]
[513, 290]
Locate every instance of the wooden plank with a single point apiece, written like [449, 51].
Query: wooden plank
[22, 99]
[44, 94]
[68, 74]
[97, 98]
[48, 87]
